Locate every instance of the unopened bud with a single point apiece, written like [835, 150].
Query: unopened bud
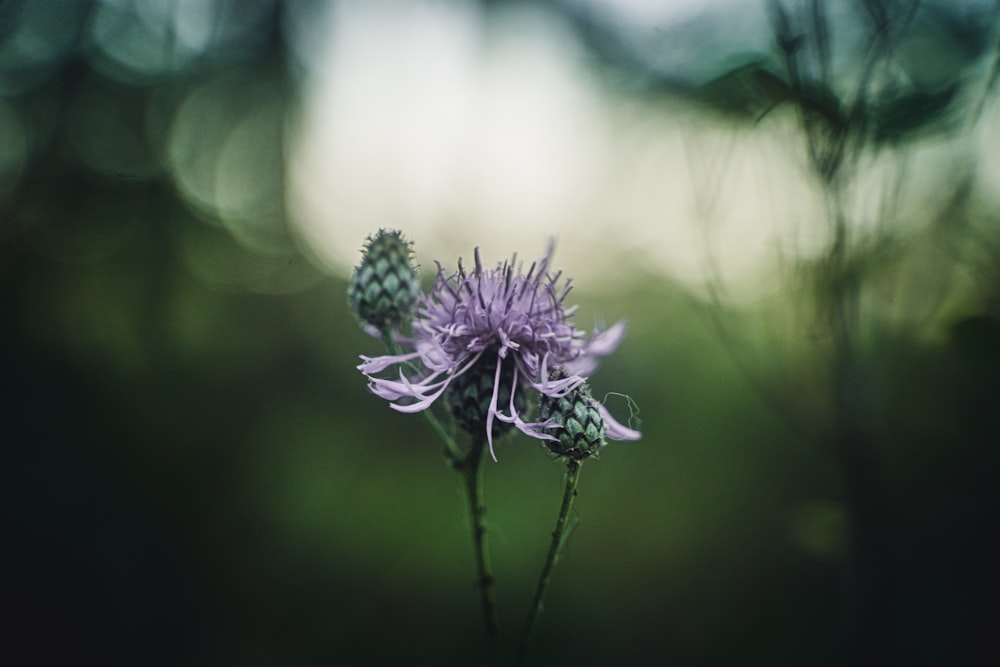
[575, 420]
[384, 288]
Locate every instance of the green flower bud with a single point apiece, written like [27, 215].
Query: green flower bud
[577, 421]
[384, 288]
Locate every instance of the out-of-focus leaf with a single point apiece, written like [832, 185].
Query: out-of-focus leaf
[752, 90]
[906, 116]
[749, 90]
[818, 99]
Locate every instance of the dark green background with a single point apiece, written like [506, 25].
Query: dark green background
[194, 472]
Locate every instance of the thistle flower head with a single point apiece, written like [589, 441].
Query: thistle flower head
[500, 329]
[384, 286]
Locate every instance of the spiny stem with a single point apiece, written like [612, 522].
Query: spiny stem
[558, 539]
[454, 453]
[472, 470]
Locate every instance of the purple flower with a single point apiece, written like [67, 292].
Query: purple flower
[510, 324]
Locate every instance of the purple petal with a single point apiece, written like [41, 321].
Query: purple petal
[615, 430]
[423, 404]
[533, 429]
[492, 412]
[387, 390]
[530, 429]
[393, 390]
[557, 388]
[379, 364]
[606, 342]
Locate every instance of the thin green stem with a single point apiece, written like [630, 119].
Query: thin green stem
[454, 453]
[558, 540]
[472, 471]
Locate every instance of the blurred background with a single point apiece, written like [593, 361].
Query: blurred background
[793, 203]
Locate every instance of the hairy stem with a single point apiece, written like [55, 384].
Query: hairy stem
[558, 540]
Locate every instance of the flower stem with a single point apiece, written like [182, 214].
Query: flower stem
[558, 540]
[472, 471]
